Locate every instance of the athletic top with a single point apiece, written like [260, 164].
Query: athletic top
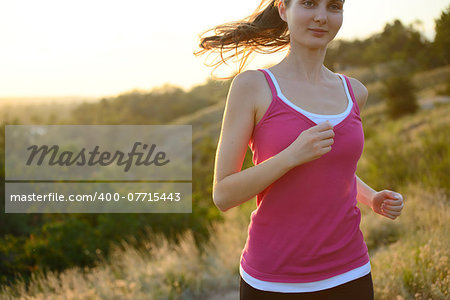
[305, 228]
[325, 283]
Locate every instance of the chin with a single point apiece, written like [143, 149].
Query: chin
[315, 45]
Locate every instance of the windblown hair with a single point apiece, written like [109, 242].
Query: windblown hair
[263, 32]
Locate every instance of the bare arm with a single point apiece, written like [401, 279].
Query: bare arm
[231, 186]
[240, 187]
[365, 193]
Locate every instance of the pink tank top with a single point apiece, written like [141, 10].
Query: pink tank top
[306, 224]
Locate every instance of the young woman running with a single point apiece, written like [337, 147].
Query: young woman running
[303, 125]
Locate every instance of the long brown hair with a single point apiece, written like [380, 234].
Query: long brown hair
[263, 32]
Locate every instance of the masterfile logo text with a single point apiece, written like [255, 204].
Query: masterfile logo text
[91, 158]
[109, 168]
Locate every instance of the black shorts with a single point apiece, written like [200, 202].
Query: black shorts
[357, 289]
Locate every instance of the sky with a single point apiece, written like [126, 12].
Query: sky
[101, 48]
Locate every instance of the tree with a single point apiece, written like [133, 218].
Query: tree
[399, 92]
[442, 38]
[397, 43]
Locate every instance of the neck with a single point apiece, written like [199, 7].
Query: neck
[305, 64]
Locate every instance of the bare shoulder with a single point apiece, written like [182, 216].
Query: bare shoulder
[251, 88]
[241, 92]
[360, 91]
[249, 81]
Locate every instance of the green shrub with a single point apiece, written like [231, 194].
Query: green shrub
[399, 93]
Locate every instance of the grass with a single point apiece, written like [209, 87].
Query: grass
[414, 148]
[163, 271]
[409, 256]
[413, 265]
[416, 266]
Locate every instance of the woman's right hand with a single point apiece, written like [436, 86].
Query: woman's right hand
[311, 144]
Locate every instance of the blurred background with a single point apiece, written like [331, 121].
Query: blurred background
[117, 62]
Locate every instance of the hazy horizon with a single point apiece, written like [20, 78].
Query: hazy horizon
[98, 49]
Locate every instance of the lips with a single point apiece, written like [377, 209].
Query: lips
[317, 30]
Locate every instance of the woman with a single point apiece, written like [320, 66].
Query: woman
[302, 123]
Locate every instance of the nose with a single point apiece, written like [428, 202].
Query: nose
[321, 15]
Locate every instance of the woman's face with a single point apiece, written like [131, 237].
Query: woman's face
[313, 23]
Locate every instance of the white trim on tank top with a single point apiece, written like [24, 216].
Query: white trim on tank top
[301, 287]
[316, 118]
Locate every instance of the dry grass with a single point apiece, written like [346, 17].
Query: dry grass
[413, 265]
[417, 265]
[164, 271]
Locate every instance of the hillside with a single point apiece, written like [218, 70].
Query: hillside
[409, 256]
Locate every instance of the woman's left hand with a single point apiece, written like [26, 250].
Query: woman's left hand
[387, 203]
